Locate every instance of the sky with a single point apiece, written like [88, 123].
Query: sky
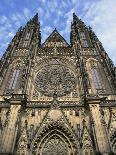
[99, 14]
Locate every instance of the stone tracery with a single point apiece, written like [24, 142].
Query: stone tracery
[55, 146]
[55, 79]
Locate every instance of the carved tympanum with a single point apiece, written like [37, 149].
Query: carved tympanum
[55, 146]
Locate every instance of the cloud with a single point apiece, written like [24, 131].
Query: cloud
[101, 16]
[43, 1]
[68, 18]
[52, 5]
[11, 34]
[27, 13]
[46, 32]
[3, 19]
[40, 12]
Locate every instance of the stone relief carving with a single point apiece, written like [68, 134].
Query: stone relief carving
[55, 146]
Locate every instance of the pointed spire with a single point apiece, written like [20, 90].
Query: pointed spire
[55, 31]
[75, 18]
[34, 20]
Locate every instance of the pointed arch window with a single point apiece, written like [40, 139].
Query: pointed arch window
[82, 35]
[84, 43]
[95, 73]
[25, 43]
[14, 79]
[83, 38]
[27, 36]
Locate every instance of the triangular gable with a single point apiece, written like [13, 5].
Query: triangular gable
[86, 139]
[23, 142]
[55, 120]
[55, 40]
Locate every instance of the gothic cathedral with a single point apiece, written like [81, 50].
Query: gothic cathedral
[57, 98]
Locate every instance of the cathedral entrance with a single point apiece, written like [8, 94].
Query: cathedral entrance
[54, 143]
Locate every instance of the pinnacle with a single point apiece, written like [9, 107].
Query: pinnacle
[75, 18]
[55, 30]
[35, 18]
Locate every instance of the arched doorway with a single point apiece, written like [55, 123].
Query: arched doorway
[55, 142]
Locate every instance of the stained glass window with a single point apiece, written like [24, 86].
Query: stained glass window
[14, 79]
[96, 77]
[83, 38]
[27, 36]
[82, 35]
[84, 43]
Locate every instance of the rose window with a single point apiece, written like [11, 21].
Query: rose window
[55, 80]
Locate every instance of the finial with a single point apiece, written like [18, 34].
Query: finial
[75, 18]
[55, 29]
[35, 18]
[20, 29]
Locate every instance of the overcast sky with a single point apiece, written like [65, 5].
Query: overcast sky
[99, 14]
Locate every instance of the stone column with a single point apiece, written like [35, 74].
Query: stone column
[9, 133]
[100, 131]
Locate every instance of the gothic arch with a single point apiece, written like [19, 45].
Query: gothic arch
[47, 61]
[61, 134]
[15, 71]
[98, 80]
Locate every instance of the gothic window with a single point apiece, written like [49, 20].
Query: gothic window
[27, 36]
[94, 72]
[55, 79]
[14, 79]
[83, 39]
[78, 130]
[25, 44]
[82, 35]
[84, 43]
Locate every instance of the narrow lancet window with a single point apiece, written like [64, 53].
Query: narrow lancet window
[84, 43]
[94, 72]
[82, 35]
[25, 44]
[14, 79]
[83, 39]
[27, 35]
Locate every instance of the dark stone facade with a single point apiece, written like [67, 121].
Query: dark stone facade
[57, 98]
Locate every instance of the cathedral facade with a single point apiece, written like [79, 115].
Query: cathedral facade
[57, 98]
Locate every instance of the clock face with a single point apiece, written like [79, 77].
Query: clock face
[55, 80]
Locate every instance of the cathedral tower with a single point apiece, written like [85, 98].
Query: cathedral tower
[57, 98]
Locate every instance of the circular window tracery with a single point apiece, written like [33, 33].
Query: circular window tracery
[55, 80]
